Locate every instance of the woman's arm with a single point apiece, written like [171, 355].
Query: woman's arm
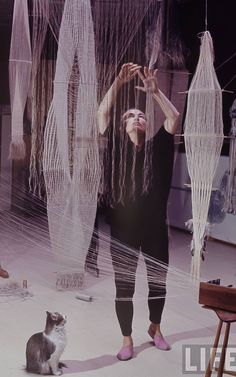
[149, 80]
[127, 73]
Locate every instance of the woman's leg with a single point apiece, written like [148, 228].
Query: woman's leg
[156, 246]
[125, 264]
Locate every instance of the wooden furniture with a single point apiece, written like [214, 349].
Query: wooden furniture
[218, 296]
[223, 301]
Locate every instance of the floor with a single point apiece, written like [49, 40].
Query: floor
[92, 330]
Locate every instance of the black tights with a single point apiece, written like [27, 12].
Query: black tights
[125, 262]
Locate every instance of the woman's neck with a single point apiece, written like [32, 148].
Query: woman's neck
[137, 139]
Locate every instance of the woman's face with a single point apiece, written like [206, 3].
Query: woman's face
[135, 121]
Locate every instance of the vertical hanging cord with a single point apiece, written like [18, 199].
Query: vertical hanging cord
[206, 15]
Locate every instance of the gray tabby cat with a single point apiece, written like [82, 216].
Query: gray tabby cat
[44, 349]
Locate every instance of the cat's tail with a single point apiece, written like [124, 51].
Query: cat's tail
[62, 365]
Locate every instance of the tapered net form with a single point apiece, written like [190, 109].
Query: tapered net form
[19, 74]
[70, 161]
[203, 134]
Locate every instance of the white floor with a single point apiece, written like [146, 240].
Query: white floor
[92, 329]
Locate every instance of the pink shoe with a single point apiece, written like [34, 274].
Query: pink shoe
[159, 341]
[126, 353]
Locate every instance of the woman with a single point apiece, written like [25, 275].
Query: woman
[138, 218]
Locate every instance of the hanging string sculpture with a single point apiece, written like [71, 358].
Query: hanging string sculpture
[46, 19]
[120, 38]
[230, 201]
[164, 50]
[203, 134]
[19, 75]
[71, 164]
[119, 30]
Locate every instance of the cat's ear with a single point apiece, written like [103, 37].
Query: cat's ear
[51, 315]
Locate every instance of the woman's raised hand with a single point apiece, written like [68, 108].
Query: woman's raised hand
[128, 72]
[149, 79]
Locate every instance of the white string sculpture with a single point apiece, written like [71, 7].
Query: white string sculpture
[120, 36]
[164, 51]
[70, 162]
[203, 134]
[19, 75]
[46, 19]
[38, 98]
[119, 33]
[230, 200]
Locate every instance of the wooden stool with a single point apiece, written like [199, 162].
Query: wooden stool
[228, 318]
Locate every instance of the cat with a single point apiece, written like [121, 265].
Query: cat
[44, 349]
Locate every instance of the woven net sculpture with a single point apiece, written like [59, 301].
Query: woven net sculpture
[19, 75]
[41, 89]
[70, 161]
[203, 134]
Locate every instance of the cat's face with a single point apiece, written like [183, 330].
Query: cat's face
[55, 320]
